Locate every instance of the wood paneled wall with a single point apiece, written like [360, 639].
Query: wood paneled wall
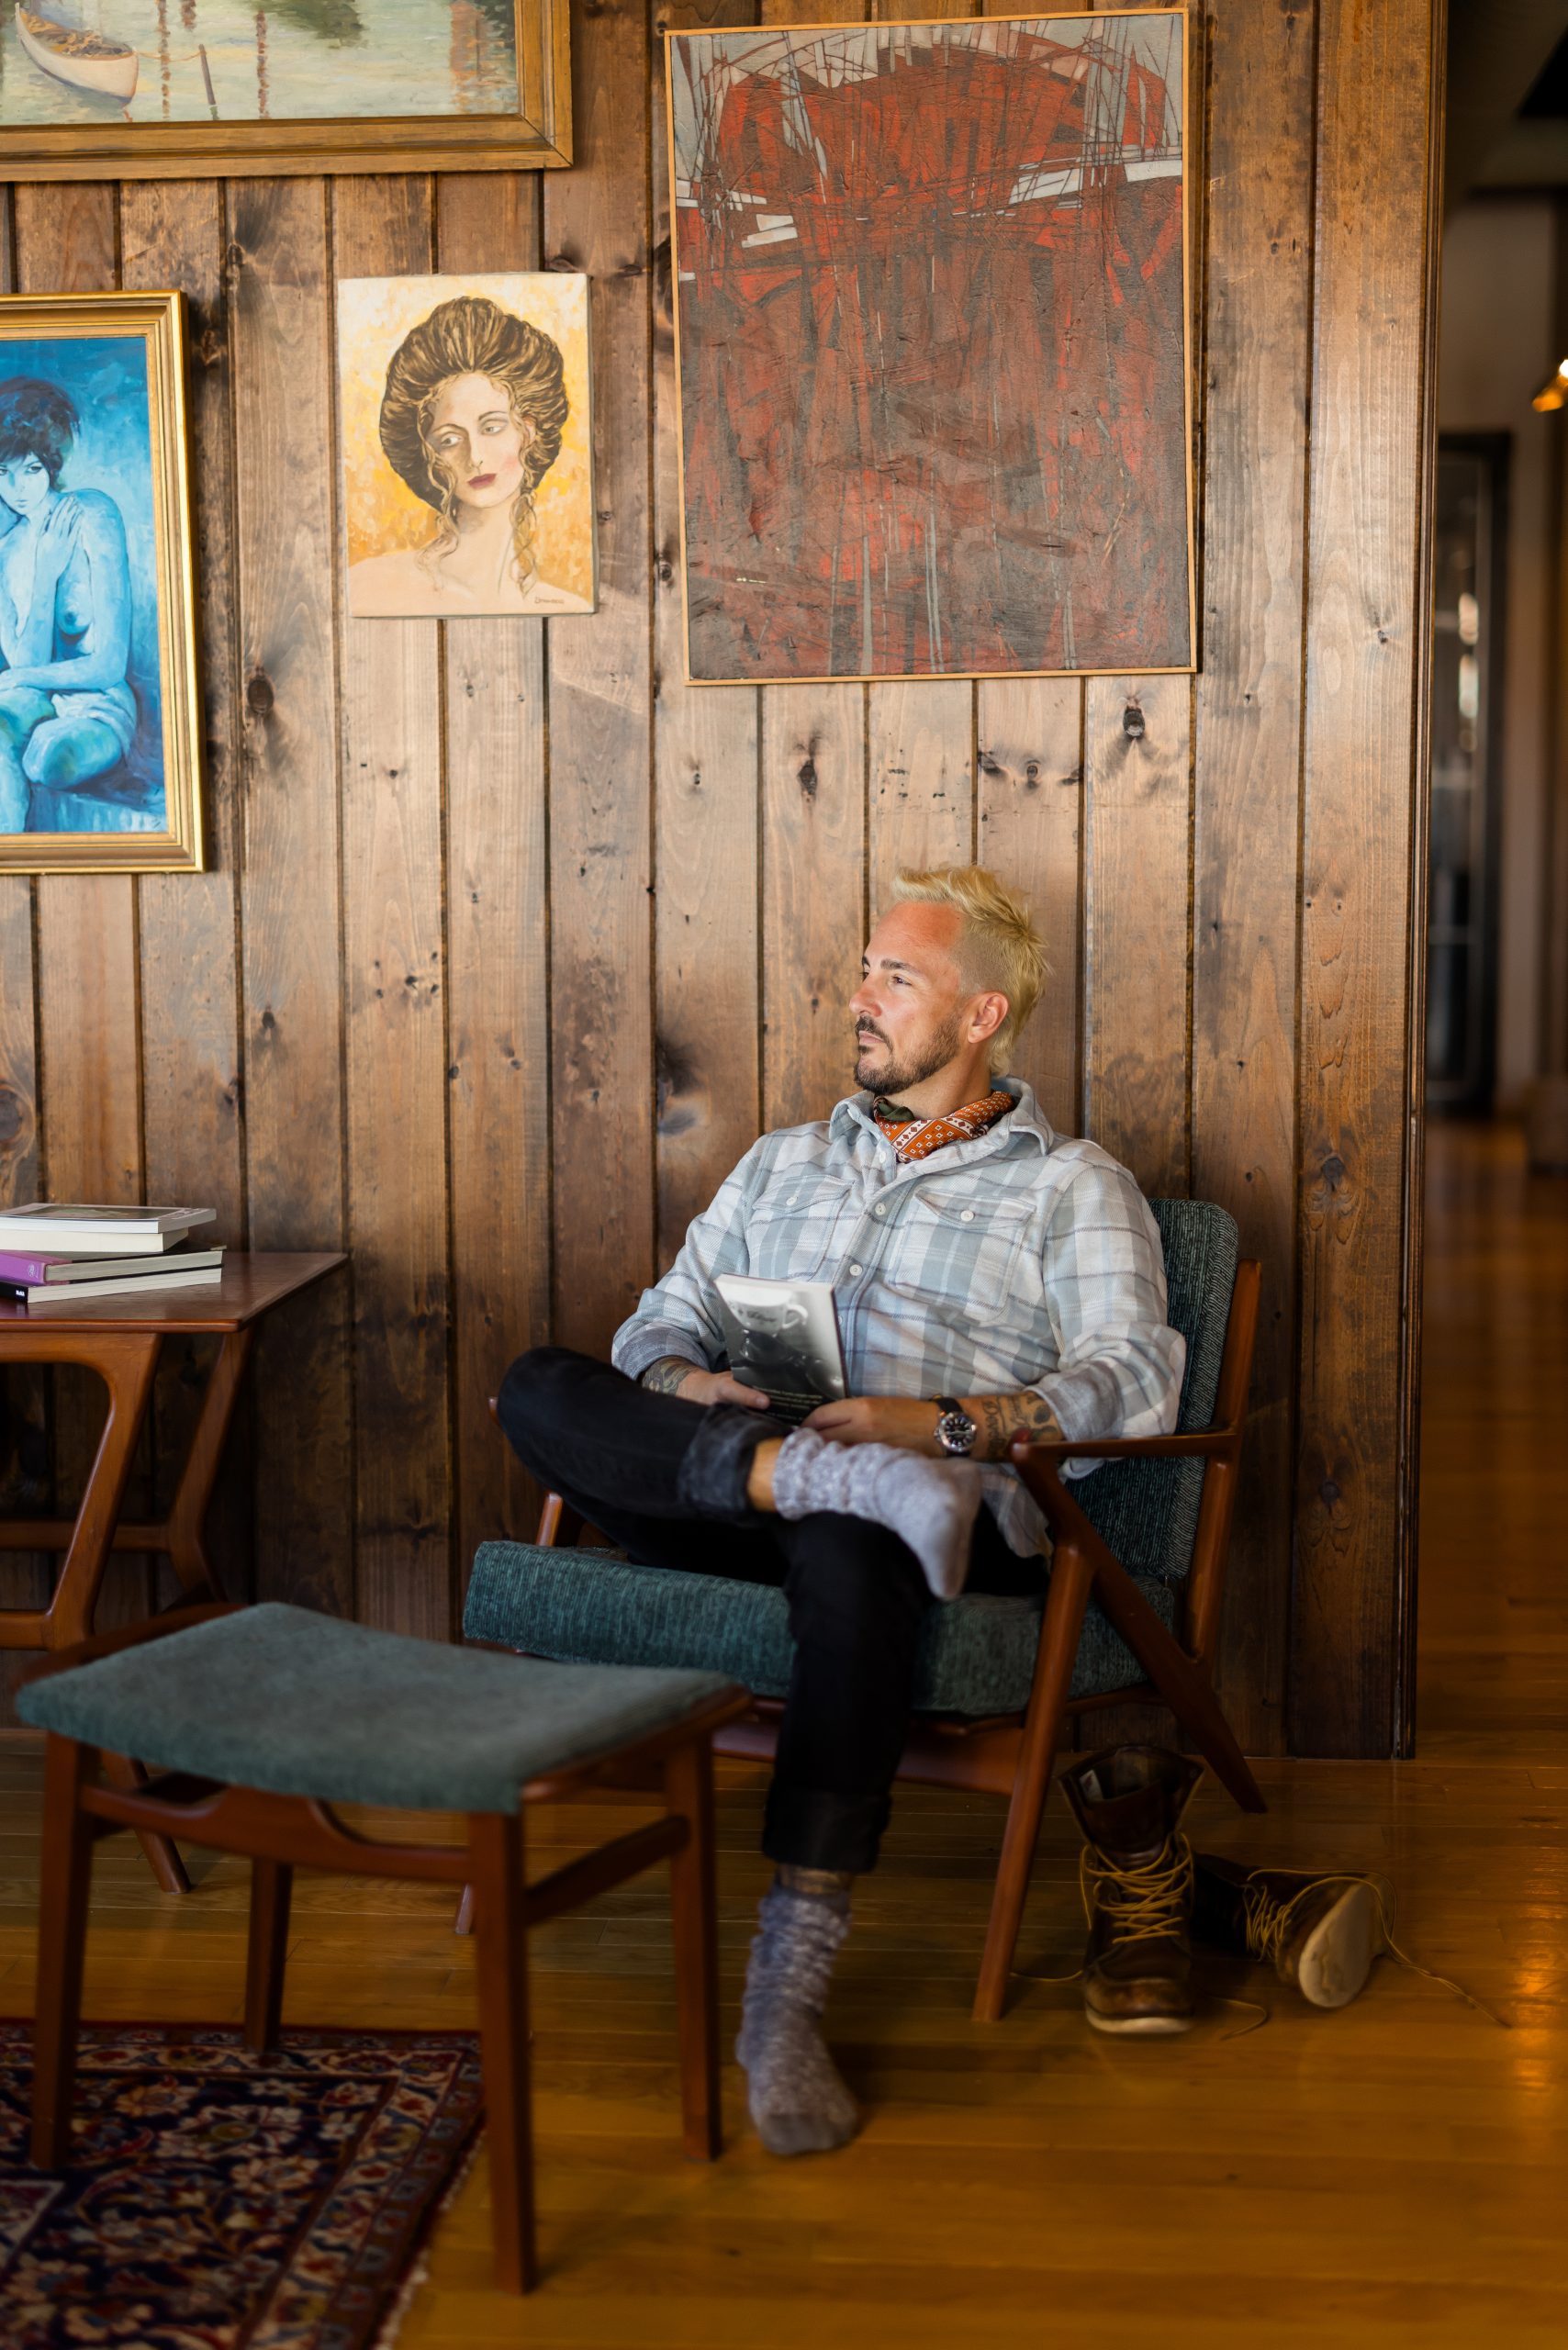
[513, 940]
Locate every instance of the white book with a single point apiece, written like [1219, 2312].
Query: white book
[69, 1228]
[146, 1284]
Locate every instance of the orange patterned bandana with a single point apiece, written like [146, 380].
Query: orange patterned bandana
[914, 1137]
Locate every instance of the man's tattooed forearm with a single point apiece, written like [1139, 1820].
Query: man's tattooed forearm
[666, 1376]
[1002, 1418]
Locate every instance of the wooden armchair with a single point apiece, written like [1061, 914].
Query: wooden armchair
[1103, 1612]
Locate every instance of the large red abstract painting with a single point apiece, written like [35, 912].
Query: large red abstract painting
[932, 330]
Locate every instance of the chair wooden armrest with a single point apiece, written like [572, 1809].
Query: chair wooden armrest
[1196, 1444]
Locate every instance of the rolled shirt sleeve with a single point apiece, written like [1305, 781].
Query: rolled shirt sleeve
[1120, 1367]
[678, 1316]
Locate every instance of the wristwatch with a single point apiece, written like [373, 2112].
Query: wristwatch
[956, 1432]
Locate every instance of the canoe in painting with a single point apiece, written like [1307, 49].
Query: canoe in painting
[90, 62]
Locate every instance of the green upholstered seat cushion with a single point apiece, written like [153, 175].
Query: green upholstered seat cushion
[301, 1704]
[977, 1655]
[1146, 1511]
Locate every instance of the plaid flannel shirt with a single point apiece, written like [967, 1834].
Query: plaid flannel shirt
[1023, 1260]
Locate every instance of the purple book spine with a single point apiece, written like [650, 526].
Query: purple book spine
[15, 1268]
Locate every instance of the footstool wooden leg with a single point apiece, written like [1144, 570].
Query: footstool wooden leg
[272, 1884]
[688, 1791]
[500, 1920]
[62, 1932]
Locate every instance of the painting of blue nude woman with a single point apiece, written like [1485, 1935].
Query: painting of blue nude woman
[81, 732]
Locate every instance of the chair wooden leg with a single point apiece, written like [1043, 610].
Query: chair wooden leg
[1198, 1711]
[688, 1790]
[162, 1854]
[272, 1884]
[1183, 1685]
[495, 1845]
[1053, 1680]
[63, 1933]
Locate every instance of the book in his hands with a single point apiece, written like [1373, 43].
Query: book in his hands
[20, 1270]
[71, 1228]
[149, 1281]
[783, 1336]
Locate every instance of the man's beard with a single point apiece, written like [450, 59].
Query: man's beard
[898, 1075]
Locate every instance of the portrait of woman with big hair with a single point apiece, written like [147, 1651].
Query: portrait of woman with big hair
[473, 410]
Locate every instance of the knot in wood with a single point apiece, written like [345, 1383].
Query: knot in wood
[1132, 723]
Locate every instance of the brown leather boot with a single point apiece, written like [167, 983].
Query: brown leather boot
[1321, 1934]
[1137, 1886]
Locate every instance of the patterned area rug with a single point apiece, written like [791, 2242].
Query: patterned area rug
[219, 2200]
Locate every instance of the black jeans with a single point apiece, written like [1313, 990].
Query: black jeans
[666, 1480]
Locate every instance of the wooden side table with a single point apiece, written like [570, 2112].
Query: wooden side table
[119, 1338]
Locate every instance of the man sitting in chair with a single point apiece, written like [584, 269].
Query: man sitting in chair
[992, 1278]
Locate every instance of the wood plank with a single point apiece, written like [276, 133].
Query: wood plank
[919, 763]
[172, 233]
[88, 974]
[26, 1485]
[395, 1042]
[1246, 757]
[1366, 620]
[596, 218]
[498, 964]
[706, 749]
[814, 843]
[283, 407]
[1137, 805]
[1029, 803]
[813, 812]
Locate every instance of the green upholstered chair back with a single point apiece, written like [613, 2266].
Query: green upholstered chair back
[1146, 1511]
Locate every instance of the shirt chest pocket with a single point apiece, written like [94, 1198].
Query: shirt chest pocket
[957, 1247]
[792, 1231]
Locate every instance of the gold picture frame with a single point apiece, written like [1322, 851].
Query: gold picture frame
[539, 134]
[104, 776]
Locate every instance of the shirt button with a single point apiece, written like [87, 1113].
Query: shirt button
[966, 1215]
[857, 1268]
[879, 1209]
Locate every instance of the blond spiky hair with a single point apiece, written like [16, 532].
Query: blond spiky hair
[998, 947]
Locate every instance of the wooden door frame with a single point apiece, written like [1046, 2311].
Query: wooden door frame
[1412, 1202]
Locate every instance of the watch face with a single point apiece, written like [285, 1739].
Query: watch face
[956, 1431]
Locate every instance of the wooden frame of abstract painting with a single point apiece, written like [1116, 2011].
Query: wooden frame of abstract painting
[538, 135]
[1192, 184]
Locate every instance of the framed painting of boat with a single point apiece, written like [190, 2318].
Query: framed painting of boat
[135, 89]
[101, 725]
[933, 346]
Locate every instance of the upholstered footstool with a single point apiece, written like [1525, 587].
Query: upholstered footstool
[264, 1718]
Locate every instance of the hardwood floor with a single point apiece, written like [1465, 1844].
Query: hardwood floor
[1392, 2175]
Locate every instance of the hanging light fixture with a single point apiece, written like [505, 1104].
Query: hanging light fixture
[1553, 393]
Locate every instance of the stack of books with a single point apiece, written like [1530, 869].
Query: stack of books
[60, 1253]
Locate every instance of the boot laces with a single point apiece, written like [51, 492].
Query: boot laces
[1143, 1900]
[1268, 1921]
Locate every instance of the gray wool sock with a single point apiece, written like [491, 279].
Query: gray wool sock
[797, 2098]
[930, 1505]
